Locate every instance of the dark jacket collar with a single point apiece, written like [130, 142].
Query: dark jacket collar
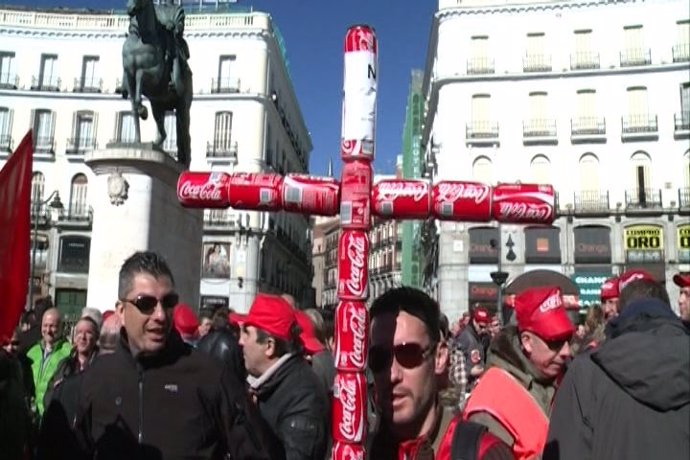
[174, 348]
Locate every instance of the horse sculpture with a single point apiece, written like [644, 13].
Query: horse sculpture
[153, 66]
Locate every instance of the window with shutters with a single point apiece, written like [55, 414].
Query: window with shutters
[638, 118]
[540, 170]
[642, 194]
[170, 124]
[482, 170]
[584, 57]
[683, 118]
[480, 61]
[227, 80]
[681, 50]
[5, 129]
[8, 77]
[634, 52]
[78, 207]
[536, 59]
[589, 197]
[481, 124]
[44, 131]
[223, 145]
[89, 80]
[38, 183]
[124, 131]
[48, 79]
[540, 123]
[83, 133]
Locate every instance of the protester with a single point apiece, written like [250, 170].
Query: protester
[94, 314]
[205, 322]
[15, 417]
[156, 397]
[609, 298]
[328, 315]
[12, 347]
[110, 334]
[630, 398]
[222, 343]
[525, 363]
[682, 280]
[408, 358]
[186, 323]
[473, 342]
[322, 361]
[290, 398]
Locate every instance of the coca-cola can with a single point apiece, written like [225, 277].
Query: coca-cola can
[523, 203]
[355, 195]
[256, 191]
[401, 199]
[351, 336]
[350, 407]
[466, 201]
[203, 189]
[353, 265]
[347, 451]
[357, 149]
[311, 195]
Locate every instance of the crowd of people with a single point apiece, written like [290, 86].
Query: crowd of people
[152, 379]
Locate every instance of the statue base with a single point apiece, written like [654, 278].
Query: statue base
[135, 208]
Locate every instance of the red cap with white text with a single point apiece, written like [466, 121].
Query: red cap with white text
[609, 290]
[541, 311]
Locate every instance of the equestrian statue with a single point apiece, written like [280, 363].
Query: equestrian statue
[154, 60]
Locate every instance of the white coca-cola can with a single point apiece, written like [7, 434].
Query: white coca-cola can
[457, 200]
[350, 407]
[401, 199]
[203, 189]
[353, 265]
[347, 451]
[256, 191]
[311, 195]
[351, 336]
[524, 203]
[355, 195]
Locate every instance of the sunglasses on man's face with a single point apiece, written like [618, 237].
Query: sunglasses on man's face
[147, 303]
[408, 355]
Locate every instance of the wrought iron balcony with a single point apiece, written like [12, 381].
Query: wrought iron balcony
[643, 198]
[45, 83]
[480, 66]
[536, 63]
[539, 130]
[584, 60]
[481, 130]
[681, 52]
[44, 144]
[635, 57]
[639, 127]
[5, 142]
[80, 145]
[225, 85]
[684, 198]
[9, 81]
[78, 213]
[591, 202]
[588, 129]
[681, 125]
[88, 85]
[221, 149]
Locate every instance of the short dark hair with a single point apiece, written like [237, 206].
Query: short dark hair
[414, 302]
[283, 347]
[328, 315]
[142, 262]
[642, 289]
[205, 313]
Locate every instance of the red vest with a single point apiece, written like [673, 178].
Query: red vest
[500, 395]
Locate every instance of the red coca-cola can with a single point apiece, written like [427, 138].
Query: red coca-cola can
[357, 149]
[347, 451]
[256, 191]
[353, 265]
[361, 37]
[203, 189]
[350, 407]
[310, 194]
[401, 199]
[355, 195]
[351, 336]
[523, 203]
[466, 201]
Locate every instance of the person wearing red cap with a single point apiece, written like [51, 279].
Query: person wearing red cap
[525, 363]
[609, 298]
[186, 323]
[289, 397]
[682, 280]
[473, 341]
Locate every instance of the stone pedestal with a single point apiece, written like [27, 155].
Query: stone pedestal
[136, 209]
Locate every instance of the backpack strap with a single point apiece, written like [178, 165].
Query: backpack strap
[466, 440]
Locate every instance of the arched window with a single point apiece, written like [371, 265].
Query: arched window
[540, 170]
[589, 173]
[78, 207]
[642, 170]
[482, 170]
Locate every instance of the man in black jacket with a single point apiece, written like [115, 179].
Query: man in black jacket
[630, 398]
[290, 398]
[155, 397]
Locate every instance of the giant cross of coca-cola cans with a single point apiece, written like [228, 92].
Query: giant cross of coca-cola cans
[457, 200]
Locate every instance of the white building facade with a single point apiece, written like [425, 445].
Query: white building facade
[590, 96]
[60, 74]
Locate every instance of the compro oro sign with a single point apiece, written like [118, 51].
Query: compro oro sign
[684, 243]
[644, 237]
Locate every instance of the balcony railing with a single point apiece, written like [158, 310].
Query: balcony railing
[536, 63]
[681, 52]
[681, 123]
[45, 83]
[587, 127]
[221, 149]
[80, 145]
[684, 198]
[539, 128]
[218, 218]
[584, 60]
[9, 81]
[88, 85]
[78, 212]
[634, 57]
[477, 130]
[44, 144]
[5, 142]
[591, 201]
[639, 124]
[643, 198]
[480, 66]
[225, 85]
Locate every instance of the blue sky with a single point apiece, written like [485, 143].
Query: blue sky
[314, 32]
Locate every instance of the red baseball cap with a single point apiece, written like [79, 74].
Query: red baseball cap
[633, 275]
[311, 343]
[185, 320]
[682, 279]
[237, 318]
[609, 290]
[481, 315]
[541, 311]
[272, 314]
[107, 314]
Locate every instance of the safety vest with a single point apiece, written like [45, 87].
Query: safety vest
[500, 395]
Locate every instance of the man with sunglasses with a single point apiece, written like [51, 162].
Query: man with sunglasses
[155, 396]
[525, 363]
[409, 359]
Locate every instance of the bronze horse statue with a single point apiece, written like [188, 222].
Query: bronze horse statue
[154, 63]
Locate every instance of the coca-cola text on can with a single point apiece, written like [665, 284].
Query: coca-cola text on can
[350, 407]
[458, 200]
[523, 203]
[353, 265]
[355, 193]
[256, 191]
[405, 199]
[203, 189]
[351, 336]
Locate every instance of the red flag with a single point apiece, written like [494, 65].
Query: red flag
[15, 234]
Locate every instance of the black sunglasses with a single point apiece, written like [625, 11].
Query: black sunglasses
[408, 355]
[147, 303]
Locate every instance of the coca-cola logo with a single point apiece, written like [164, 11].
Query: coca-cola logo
[348, 399]
[347, 452]
[525, 211]
[390, 191]
[551, 303]
[358, 327]
[200, 192]
[356, 252]
[453, 191]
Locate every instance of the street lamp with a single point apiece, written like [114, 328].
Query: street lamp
[53, 201]
[499, 277]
